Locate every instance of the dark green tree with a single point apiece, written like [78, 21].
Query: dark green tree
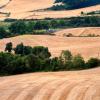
[18, 27]
[92, 62]
[78, 62]
[3, 33]
[41, 52]
[19, 49]
[9, 47]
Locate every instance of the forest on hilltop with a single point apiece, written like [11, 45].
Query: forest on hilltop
[74, 4]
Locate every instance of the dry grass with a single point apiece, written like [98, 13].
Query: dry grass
[74, 85]
[83, 31]
[21, 9]
[3, 2]
[87, 46]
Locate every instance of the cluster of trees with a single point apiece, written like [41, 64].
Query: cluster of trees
[74, 4]
[46, 26]
[33, 59]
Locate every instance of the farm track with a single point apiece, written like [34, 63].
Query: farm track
[72, 85]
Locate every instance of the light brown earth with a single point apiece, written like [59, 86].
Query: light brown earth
[3, 2]
[22, 9]
[83, 31]
[86, 46]
[72, 85]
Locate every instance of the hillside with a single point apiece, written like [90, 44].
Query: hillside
[20, 9]
[3, 3]
[87, 46]
[74, 4]
[74, 85]
[84, 31]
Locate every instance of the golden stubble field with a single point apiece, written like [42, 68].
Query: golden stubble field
[86, 46]
[24, 9]
[72, 85]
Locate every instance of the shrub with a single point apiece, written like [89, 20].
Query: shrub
[66, 55]
[78, 62]
[8, 47]
[28, 59]
[41, 52]
[3, 33]
[23, 50]
[18, 27]
[92, 62]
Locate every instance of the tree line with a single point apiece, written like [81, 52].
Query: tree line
[25, 59]
[20, 27]
[73, 4]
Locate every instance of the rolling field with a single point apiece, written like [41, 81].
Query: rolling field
[83, 31]
[23, 9]
[87, 46]
[64, 85]
[3, 2]
[72, 85]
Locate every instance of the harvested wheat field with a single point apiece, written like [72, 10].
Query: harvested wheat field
[87, 46]
[83, 31]
[25, 9]
[3, 2]
[72, 85]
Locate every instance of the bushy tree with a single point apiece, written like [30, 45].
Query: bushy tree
[34, 62]
[54, 23]
[55, 64]
[23, 50]
[92, 62]
[78, 62]
[66, 55]
[18, 27]
[9, 47]
[19, 49]
[41, 52]
[5, 59]
[3, 33]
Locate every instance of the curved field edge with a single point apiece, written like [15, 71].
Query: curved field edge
[72, 85]
[86, 46]
[22, 9]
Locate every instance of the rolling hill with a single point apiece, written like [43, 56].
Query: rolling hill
[87, 46]
[73, 85]
[23, 9]
[83, 31]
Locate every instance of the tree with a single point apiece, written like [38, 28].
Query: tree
[41, 52]
[18, 27]
[38, 25]
[34, 62]
[3, 33]
[9, 47]
[5, 59]
[92, 62]
[54, 23]
[30, 26]
[66, 55]
[78, 62]
[73, 4]
[19, 49]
